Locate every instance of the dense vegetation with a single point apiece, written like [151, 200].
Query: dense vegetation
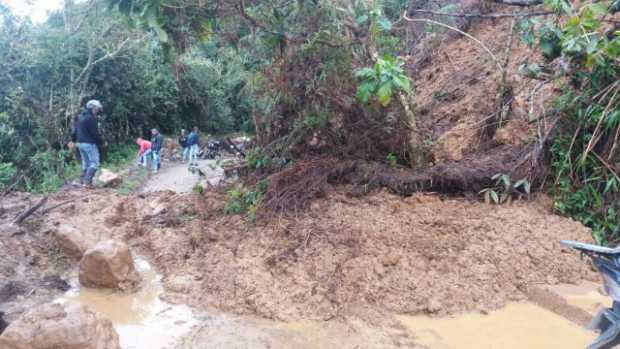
[585, 154]
[48, 71]
[309, 77]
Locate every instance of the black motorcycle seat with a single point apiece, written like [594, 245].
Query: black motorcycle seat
[590, 248]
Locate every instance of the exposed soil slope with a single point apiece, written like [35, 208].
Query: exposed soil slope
[412, 256]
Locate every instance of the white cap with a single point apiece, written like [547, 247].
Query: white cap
[94, 104]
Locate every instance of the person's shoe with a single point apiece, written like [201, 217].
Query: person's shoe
[88, 179]
[83, 177]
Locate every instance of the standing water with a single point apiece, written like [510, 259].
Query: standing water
[142, 319]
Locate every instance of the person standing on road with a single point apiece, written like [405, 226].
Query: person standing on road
[89, 141]
[156, 143]
[192, 141]
[184, 146]
[144, 151]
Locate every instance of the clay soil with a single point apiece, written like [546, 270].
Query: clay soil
[344, 256]
[419, 255]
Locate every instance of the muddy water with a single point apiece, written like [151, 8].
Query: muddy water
[517, 326]
[587, 296]
[141, 319]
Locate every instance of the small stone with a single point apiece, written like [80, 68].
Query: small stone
[390, 260]
[434, 305]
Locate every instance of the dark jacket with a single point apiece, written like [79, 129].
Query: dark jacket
[156, 142]
[183, 141]
[87, 129]
[192, 139]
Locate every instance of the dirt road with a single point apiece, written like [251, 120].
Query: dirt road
[176, 177]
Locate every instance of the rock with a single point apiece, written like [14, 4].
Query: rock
[3, 323]
[390, 260]
[72, 242]
[60, 326]
[434, 305]
[110, 179]
[159, 209]
[108, 264]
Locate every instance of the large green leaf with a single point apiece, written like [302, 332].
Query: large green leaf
[402, 82]
[365, 73]
[384, 94]
[365, 91]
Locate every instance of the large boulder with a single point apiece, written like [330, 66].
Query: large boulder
[54, 326]
[110, 179]
[108, 264]
[72, 241]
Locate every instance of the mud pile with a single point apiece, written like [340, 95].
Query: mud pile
[420, 255]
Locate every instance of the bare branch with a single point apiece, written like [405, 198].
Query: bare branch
[490, 15]
[522, 3]
[22, 217]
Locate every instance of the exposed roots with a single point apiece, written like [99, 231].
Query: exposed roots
[293, 188]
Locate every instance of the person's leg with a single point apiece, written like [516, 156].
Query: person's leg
[185, 153]
[194, 155]
[155, 161]
[145, 158]
[83, 163]
[93, 162]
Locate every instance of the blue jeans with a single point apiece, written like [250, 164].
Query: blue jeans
[156, 159]
[90, 156]
[193, 154]
[185, 153]
[144, 158]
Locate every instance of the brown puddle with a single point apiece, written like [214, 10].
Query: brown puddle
[586, 296]
[141, 319]
[517, 326]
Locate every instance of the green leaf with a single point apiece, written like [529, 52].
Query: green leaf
[403, 83]
[613, 120]
[506, 181]
[611, 184]
[365, 73]
[384, 94]
[361, 19]
[494, 196]
[365, 91]
[384, 24]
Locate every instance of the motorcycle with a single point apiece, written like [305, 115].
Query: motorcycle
[213, 150]
[607, 321]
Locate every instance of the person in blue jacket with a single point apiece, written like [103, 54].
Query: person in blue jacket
[193, 141]
[157, 140]
[89, 141]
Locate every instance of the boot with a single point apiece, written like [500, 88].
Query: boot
[90, 174]
[83, 177]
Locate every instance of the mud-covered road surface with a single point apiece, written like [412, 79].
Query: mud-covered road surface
[373, 272]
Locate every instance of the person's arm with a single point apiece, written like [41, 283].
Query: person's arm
[74, 134]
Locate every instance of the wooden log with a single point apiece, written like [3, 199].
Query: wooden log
[22, 217]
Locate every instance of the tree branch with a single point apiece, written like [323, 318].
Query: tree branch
[491, 15]
[522, 3]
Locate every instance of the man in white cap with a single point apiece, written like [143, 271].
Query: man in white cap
[86, 135]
